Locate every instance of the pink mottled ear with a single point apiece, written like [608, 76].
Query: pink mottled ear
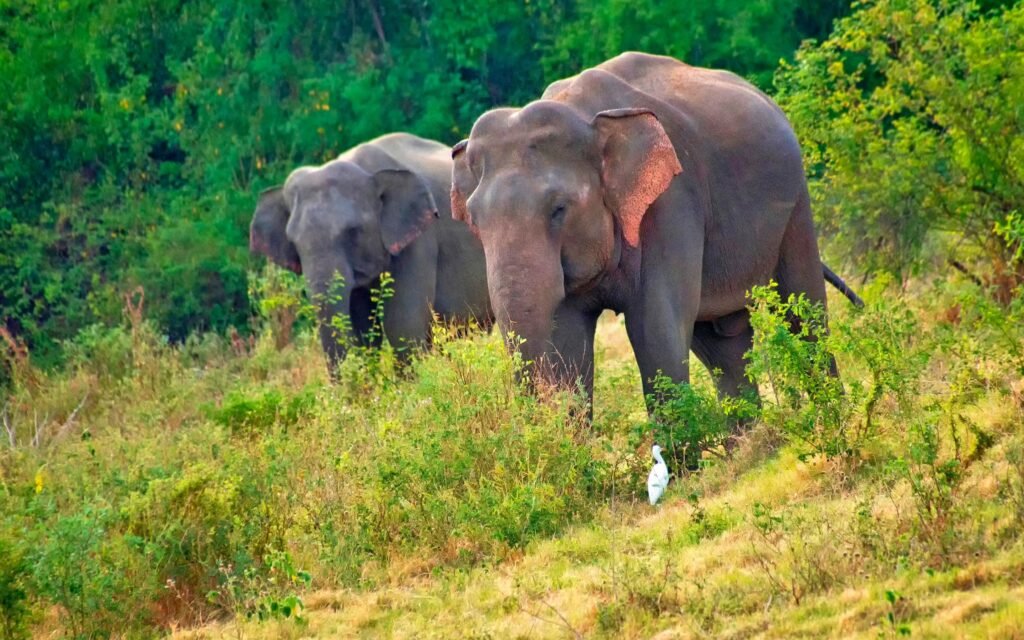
[638, 164]
[463, 185]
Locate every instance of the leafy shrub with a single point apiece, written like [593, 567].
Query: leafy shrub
[106, 351]
[905, 114]
[15, 605]
[792, 353]
[82, 571]
[266, 592]
[215, 532]
[277, 295]
[1012, 488]
[797, 551]
[243, 413]
[688, 420]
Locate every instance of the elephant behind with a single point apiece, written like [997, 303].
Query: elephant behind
[383, 205]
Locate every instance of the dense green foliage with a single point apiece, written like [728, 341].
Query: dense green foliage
[910, 116]
[134, 135]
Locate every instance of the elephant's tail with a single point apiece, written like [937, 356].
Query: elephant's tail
[837, 282]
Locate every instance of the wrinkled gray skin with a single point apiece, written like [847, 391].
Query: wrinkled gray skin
[645, 186]
[381, 206]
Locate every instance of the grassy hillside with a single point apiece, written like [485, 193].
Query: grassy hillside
[223, 489]
[173, 460]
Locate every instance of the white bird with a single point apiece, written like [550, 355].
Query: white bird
[657, 479]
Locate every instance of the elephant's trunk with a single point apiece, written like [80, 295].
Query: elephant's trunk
[331, 295]
[525, 291]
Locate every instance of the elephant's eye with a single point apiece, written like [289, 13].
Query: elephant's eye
[558, 214]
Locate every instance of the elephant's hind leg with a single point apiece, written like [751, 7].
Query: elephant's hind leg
[722, 353]
[799, 269]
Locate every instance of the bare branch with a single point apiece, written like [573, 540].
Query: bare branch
[9, 426]
[959, 266]
[71, 418]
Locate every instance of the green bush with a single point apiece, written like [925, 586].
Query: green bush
[242, 413]
[688, 420]
[906, 115]
[794, 355]
[106, 351]
[15, 604]
[82, 569]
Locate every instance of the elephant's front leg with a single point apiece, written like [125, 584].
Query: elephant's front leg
[660, 319]
[660, 334]
[363, 317]
[573, 340]
[408, 313]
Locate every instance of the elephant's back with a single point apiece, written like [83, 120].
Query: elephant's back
[429, 159]
[736, 147]
[407, 145]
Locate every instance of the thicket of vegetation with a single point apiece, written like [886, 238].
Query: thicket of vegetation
[909, 117]
[189, 462]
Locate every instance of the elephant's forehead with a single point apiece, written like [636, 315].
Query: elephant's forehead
[333, 178]
[520, 135]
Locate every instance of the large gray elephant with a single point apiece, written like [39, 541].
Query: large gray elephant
[646, 186]
[381, 206]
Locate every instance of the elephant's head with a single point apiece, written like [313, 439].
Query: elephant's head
[552, 196]
[337, 220]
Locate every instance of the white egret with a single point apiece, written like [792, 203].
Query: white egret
[657, 480]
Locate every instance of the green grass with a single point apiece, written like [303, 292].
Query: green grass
[221, 489]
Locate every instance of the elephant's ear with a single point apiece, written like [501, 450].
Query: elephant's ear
[463, 185]
[267, 232]
[407, 207]
[638, 164]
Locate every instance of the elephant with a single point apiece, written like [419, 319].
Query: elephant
[643, 185]
[383, 205]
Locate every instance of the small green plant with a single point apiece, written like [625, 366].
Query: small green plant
[277, 296]
[894, 626]
[254, 413]
[655, 587]
[797, 553]
[933, 479]
[610, 616]
[1012, 488]
[689, 420]
[264, 592]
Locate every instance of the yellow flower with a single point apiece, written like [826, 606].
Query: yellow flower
[39, 481]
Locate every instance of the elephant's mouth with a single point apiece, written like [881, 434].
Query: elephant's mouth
[365, 279]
